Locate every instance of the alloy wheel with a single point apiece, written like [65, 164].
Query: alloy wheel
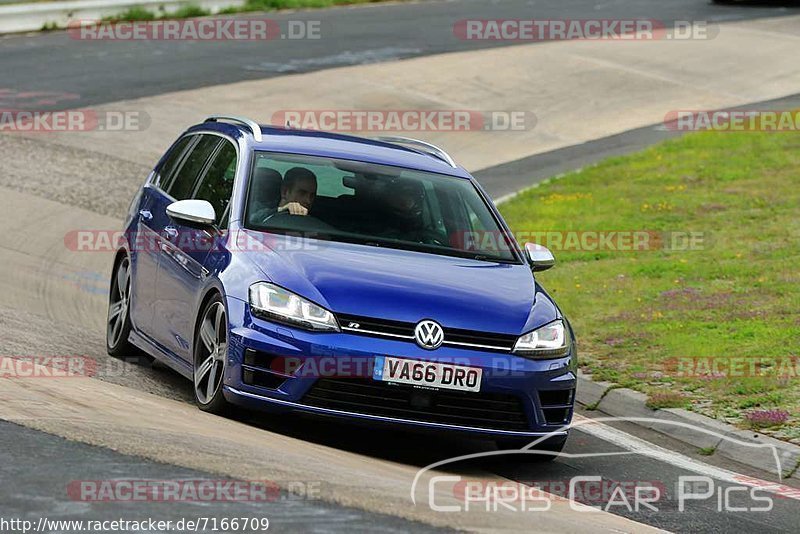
[118, 303]
[211, 354]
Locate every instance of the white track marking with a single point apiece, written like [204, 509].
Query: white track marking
[645, 448]
[635, 445]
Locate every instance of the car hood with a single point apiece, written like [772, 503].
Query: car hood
[401, 285]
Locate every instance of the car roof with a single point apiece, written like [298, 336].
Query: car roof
[334, 145]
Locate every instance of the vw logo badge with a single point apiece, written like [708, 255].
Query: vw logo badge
[429, 334]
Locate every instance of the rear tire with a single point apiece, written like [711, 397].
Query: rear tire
[118, 322]
[549, 449]
[210, 357]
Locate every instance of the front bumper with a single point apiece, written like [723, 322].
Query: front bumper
[279, 368]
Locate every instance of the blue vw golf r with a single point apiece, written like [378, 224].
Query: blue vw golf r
[366, 280]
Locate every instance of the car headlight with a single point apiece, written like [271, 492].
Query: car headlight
[275, 303]
[548, 341]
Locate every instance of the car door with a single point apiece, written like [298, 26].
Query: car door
[179, 187]
[143, 245]
[186, 247]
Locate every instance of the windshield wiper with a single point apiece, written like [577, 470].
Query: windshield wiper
[496, 259]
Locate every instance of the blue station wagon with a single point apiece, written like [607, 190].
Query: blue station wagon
[369, 280]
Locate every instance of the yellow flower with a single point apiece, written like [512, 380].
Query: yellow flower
[558, 197]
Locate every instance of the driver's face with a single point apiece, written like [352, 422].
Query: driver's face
[303, 192]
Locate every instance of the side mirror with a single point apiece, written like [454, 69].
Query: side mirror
[539, 257]
[193, 212]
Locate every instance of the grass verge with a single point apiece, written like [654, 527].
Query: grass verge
[138, 13]
[714, 326]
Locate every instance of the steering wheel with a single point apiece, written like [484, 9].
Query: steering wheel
[301, 223]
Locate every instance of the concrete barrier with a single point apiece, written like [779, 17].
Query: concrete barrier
[15, 18]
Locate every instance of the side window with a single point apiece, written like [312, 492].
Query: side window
[162, 178]
[331, 181]
[182, 186]
[217, 184]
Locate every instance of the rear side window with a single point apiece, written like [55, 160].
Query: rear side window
[175, 156]
[217, 184]
[182, 185]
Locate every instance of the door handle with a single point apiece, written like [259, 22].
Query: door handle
[145, 215]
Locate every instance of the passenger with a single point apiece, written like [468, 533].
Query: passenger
[404, 206]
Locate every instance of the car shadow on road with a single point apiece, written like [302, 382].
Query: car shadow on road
[380, 441]
[385, 442]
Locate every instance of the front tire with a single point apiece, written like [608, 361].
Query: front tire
[210, 357]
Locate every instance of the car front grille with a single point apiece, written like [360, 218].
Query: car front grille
[453, 337]
[371, 397]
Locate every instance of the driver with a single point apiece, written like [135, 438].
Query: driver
[298, 191]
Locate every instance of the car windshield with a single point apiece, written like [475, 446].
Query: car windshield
[377, 205]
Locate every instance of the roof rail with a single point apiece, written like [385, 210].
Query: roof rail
[428, 148]
[251, 124]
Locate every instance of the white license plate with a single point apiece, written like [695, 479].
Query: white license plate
[430, 374]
